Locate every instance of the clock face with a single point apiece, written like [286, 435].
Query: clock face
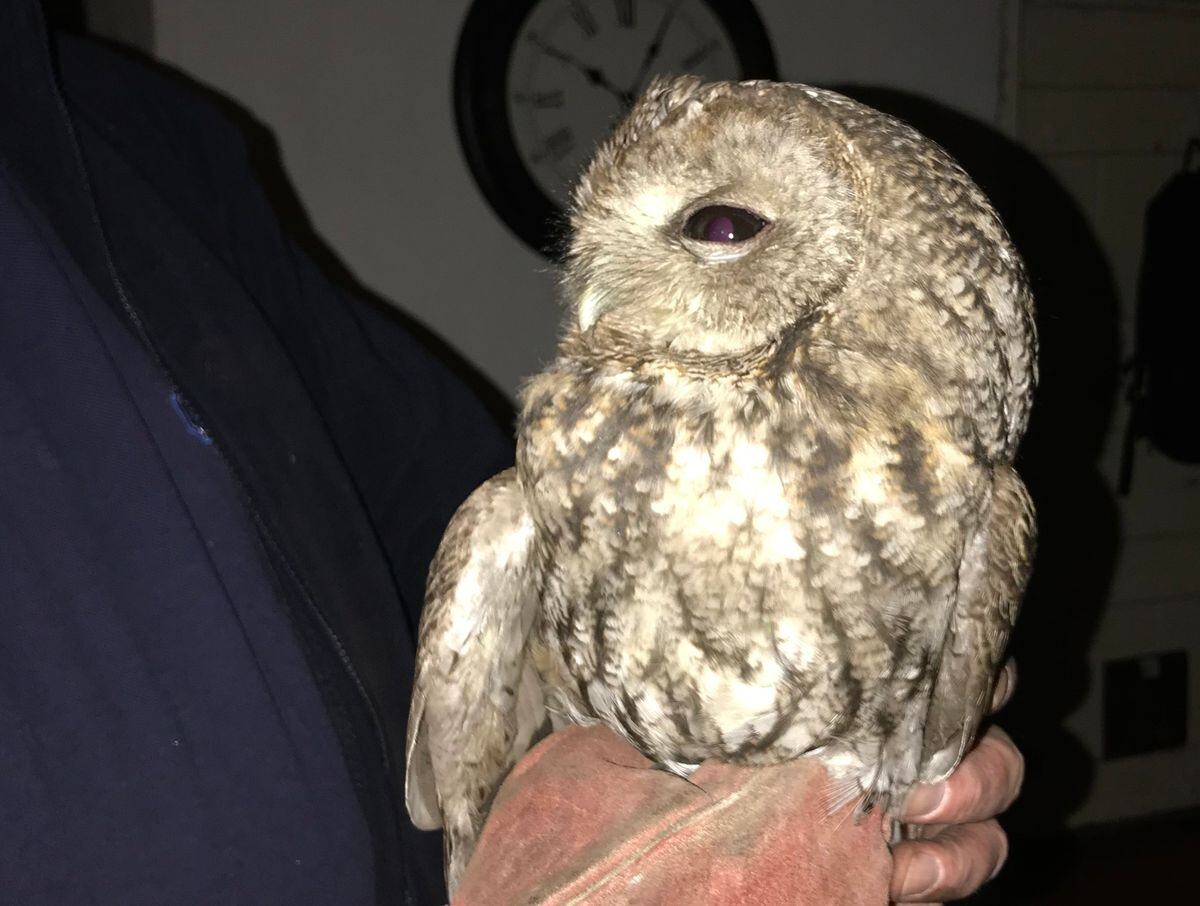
[539, 84]
[578, 65]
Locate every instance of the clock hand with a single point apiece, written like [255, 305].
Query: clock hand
[652, 51]
[591, 73]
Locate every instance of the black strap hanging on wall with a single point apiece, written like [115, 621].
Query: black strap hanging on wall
[1165, 387]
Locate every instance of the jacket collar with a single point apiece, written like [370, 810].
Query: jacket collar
[37, 143]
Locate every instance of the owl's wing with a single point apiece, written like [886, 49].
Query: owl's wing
[992, 579]
[477, 703]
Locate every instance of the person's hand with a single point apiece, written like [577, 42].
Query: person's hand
[966, 846]
[584, 818]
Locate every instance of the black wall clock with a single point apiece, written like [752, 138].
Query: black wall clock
[538, 84]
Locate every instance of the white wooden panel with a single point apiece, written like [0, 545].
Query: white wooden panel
[1067, 45]
[1108, 121]
[1159, 781]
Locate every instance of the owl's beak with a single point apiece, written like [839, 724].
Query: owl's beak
[590, 307]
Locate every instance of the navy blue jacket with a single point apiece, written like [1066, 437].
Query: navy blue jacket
[348, 443]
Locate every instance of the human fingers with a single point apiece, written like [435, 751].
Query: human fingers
[981, 787]
[1006, 684]
[950, 866]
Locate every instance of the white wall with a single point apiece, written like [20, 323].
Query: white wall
[1108, 96]
[358, 93]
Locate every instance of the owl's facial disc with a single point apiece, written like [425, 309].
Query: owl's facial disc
[715, 218]
[721, 232]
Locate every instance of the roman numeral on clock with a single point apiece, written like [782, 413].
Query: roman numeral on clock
[700, 54]
[556, 145]
[626, 17]
[540, 100]
[584, 19]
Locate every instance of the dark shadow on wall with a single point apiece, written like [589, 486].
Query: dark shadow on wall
[1077, 514]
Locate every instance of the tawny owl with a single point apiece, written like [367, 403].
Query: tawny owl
[763, 505]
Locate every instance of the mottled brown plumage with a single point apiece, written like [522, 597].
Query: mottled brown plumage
[763, 504]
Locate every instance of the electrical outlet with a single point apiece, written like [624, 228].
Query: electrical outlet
[1145, 704]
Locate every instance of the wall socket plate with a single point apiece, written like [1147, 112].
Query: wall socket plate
[1145, 703]
[1141, 720]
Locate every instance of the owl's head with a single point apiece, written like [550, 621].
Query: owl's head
[719, 215]
[714, 217]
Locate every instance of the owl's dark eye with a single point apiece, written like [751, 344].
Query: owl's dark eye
[723, 223]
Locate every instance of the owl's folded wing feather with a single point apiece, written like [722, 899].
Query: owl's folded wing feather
[992, 579]
[477, 704]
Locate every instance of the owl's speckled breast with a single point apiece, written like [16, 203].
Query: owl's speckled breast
[726, 576]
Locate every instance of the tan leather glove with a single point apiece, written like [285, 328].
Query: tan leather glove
[584, 818]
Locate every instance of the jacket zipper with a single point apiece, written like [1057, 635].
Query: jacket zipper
[186, 405]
